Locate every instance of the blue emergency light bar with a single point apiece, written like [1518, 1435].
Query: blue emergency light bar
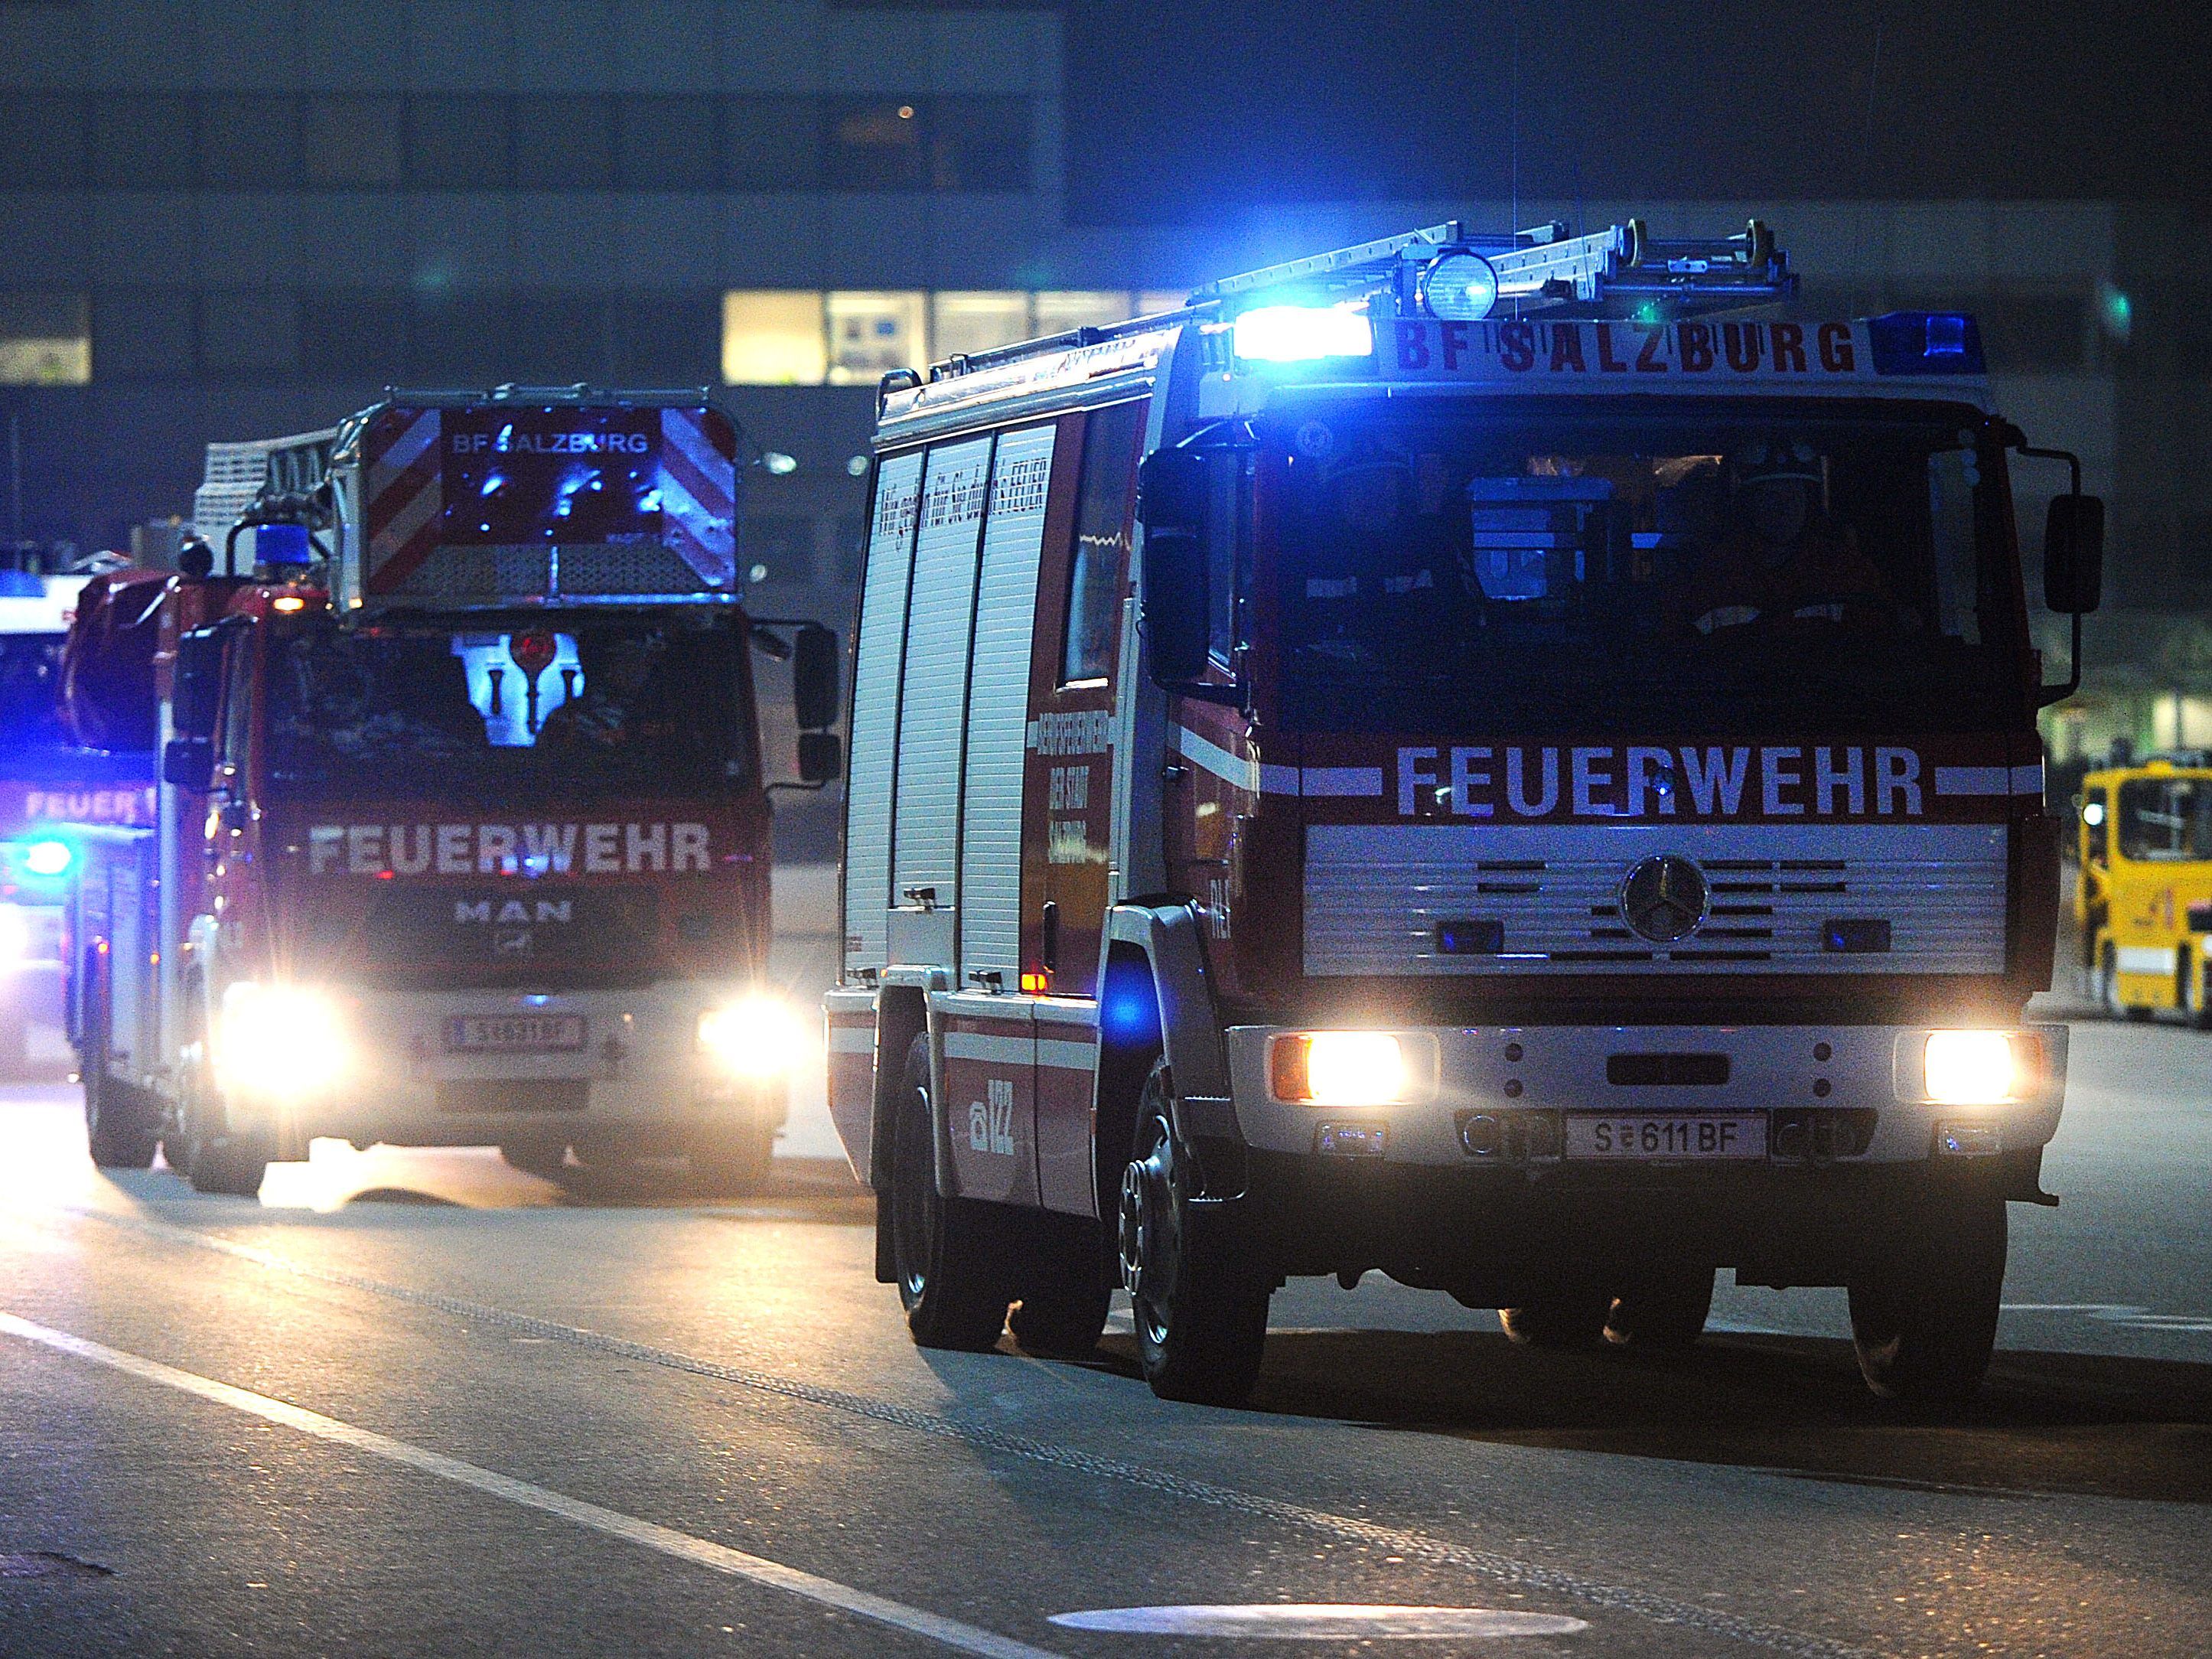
[1926, 343]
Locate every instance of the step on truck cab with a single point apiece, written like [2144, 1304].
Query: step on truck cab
[2142, 895]
[462, 833]
[1509, 761]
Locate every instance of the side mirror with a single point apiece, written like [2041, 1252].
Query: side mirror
[1174, 594]
[814, 679]
[1171, 491]
[198, 682]
[820, 756]
[188, 763]
[2073, 554]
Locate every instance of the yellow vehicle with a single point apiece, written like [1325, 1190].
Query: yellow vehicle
[2144, 902]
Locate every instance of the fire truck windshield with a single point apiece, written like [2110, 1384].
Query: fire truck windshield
[579, 709]
[1614, 565]
[29, 672]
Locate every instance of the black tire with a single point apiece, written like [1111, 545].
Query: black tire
[1571, 1318]
[2196, 1005]
[1065, 1294]
[214, 1159]
[1662, 1311]
[233, 1165]
[1924, 1308]
[119, 1129]
[537, 1157]
[1200, 1314]
[947, 1254]
[733, 1162]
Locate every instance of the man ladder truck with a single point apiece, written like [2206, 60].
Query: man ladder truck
[462, 836]
[1508, 760]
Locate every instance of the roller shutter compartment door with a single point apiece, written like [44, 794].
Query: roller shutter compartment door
[876, 667]
[941, 616]
[998, 707]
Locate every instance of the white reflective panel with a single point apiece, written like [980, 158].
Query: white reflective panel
[935, 683]
[875, 711]
[1321, 1622]
[998, 707]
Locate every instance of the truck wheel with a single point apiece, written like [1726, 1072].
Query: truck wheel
[2108, 985]
[733, 1162]
[1924, 1309]
[2196, 1005]
[1201, 1316]
[215, 1162]
[1569, 1318]
[1065, 1299]
[1662, 1312]
[947, 1253]
[116, 1126]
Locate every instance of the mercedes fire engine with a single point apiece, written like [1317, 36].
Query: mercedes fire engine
[1510, 761]
[462, 835]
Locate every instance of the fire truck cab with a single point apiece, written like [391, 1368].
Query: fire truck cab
[463, 835]
[1508, 760]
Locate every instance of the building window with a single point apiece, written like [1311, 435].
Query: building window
[350, 140]
[457, 143]
[791, 337]
[142, 141]
[248, 141]
[872, 331]
[773, 337]
[772, 143]
[46, 339]
[873, 144]
[979, 143]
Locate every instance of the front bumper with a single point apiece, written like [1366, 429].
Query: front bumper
[638, 1077]
[1783, 1072]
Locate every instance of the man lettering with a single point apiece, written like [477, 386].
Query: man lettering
[1742, 341]
[600, 858]
[1789, 347]
[1567, 347]
[454, 849]
[549, 847]
[1413, 345]
[689, 851]
[1651, 770]
[324, 843]
[1456, 343]
[411, 849]
[495, 849]
[1606, 361]
[1836, 355]
[646, 847]
[1693, 346]
[1648, 361]
[1517, 346]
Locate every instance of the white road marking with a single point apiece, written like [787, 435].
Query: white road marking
[682, 1546]
[1322, 1621]
[1427, 1547]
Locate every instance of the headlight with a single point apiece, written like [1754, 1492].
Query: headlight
[279, 1040]
[759, 1037]
[1973, 1069]
[1339, 1068]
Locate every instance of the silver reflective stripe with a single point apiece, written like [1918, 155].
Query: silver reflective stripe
[1071, 1056]
[996, 1050]
[852, 1040]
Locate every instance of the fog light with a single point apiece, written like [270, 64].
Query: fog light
[1338, 1068]
[1350, 1139]
[1482, 1135]
[1969, 1139]
[1971, 1068]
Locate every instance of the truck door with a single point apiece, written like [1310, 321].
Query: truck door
[1082, 581]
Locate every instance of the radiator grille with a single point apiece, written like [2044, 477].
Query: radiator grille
[1391, 899]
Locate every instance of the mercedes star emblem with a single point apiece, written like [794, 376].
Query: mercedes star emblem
[1665, 898]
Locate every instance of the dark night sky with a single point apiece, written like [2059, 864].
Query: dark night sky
[1174, 109]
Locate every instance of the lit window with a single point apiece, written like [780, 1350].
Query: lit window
[773, 337]
[44, 340]
[977, 319]
[1059, 310]
[1154, 301]
[874, 330]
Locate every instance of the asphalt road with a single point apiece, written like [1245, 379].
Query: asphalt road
[416, 1402]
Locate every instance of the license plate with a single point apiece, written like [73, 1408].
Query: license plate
[514, 1034]
[1644, 1137]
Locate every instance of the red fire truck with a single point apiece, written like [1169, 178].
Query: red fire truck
[1510, 761]
[462, 836]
